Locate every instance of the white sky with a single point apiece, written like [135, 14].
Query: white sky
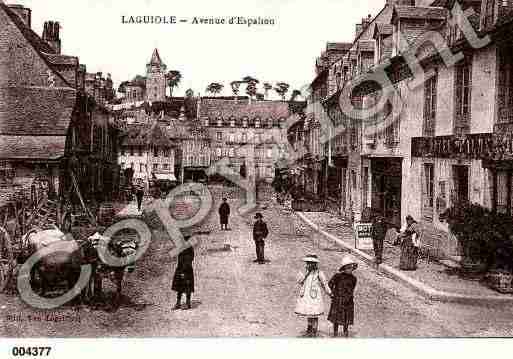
[92, 30]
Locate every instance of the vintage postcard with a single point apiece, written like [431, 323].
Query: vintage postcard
[321, 170]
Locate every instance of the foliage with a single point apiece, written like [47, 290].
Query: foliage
[215, 88]
[281, 89]
[295, 94]
[173, 78]
[485, 236]
[235, 85]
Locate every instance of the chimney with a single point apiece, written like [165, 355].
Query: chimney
[366, 22]
[404, 2]
[51, 35]
[24, 13]
[358, 30]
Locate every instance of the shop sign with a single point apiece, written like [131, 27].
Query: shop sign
[363, 236]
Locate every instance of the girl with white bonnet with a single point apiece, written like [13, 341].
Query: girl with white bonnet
[310, 303]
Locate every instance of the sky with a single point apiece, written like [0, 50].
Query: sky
[93, 31]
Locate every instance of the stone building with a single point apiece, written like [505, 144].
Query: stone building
[442, 132]
[50, 129]
[249, 133]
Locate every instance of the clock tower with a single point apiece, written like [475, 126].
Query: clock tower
[156, 78]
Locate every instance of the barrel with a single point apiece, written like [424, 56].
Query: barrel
[106, 214]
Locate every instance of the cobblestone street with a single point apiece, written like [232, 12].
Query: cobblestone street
[236, 297]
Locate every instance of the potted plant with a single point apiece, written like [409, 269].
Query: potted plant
[470, 223]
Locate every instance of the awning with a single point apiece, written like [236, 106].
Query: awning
[165, 176]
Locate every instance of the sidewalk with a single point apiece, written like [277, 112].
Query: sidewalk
[432, 279]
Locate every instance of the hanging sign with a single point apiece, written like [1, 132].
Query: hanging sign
[363, 236]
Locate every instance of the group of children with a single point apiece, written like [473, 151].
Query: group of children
[340, 288]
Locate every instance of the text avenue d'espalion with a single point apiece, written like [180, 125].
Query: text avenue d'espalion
[233, 20]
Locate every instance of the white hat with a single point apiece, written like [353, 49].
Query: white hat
[312, 258]
[348, 260]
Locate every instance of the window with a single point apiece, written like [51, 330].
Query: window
[244, 137]
[463, 83]
[166, 166]
[131, 150]
[131, 165]
[156, 152]
[428, 192]
[430, 88]
[365, 186]
[269, 153]
[353, 177]
[141, 167]
[140, 151]
[232, 137]
[155, 166]
[219, 136]
[245, 122]
[123, 151]
[232, 152]
[122, 164]
[232, 122]
[206, 122]
[219, 122]
[505, 85]
[257, 123]
[218, 152]
[166, 152]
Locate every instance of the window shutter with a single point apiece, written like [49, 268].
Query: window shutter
[501, 97]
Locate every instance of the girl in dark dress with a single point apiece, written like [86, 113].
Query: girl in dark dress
[183, 280]
[342, 303]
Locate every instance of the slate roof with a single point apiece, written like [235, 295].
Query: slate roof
[146, 134]
[32, 147]
[155, 58]
[366, 45]
[381, 29]
[225, 109]
[419, 12]
[56, 59]
[341, 46]
[36, 111]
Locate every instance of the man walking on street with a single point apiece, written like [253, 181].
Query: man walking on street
[224, 214]
[139, 194]
[379, 231]
[260, 232]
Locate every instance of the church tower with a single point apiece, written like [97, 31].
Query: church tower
[155, 78]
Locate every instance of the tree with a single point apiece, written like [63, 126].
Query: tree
[281, 89]
[122, 87]
[294, 95]
[214, 88]
[251, 88]
[267, 87]
[173, 78]
[235, 87]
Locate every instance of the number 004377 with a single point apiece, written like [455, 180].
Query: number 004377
[31, 351]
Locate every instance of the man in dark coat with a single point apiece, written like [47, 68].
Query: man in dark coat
[260, 232]
[183, 280]
[224, 214]
[139, 194]
[379, 232]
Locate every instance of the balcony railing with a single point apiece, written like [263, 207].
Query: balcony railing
[474, 146]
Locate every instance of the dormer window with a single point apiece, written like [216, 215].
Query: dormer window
[245, 122]
[206, 122]
[232, 122]
[219, 122]
[257, 123]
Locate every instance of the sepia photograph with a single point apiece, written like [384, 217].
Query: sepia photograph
[304, 170]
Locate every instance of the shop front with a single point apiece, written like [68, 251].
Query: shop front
[386, 188]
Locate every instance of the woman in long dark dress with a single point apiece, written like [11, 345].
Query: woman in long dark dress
[342, 286]
[183, 280]
[409, 252]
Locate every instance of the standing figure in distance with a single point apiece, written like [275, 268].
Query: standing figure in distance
[409, 251]
[183, 280]
[139, 194]
[379, 232]
[224, 214]
[342, 285]
[260, 232]
[310, 303]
